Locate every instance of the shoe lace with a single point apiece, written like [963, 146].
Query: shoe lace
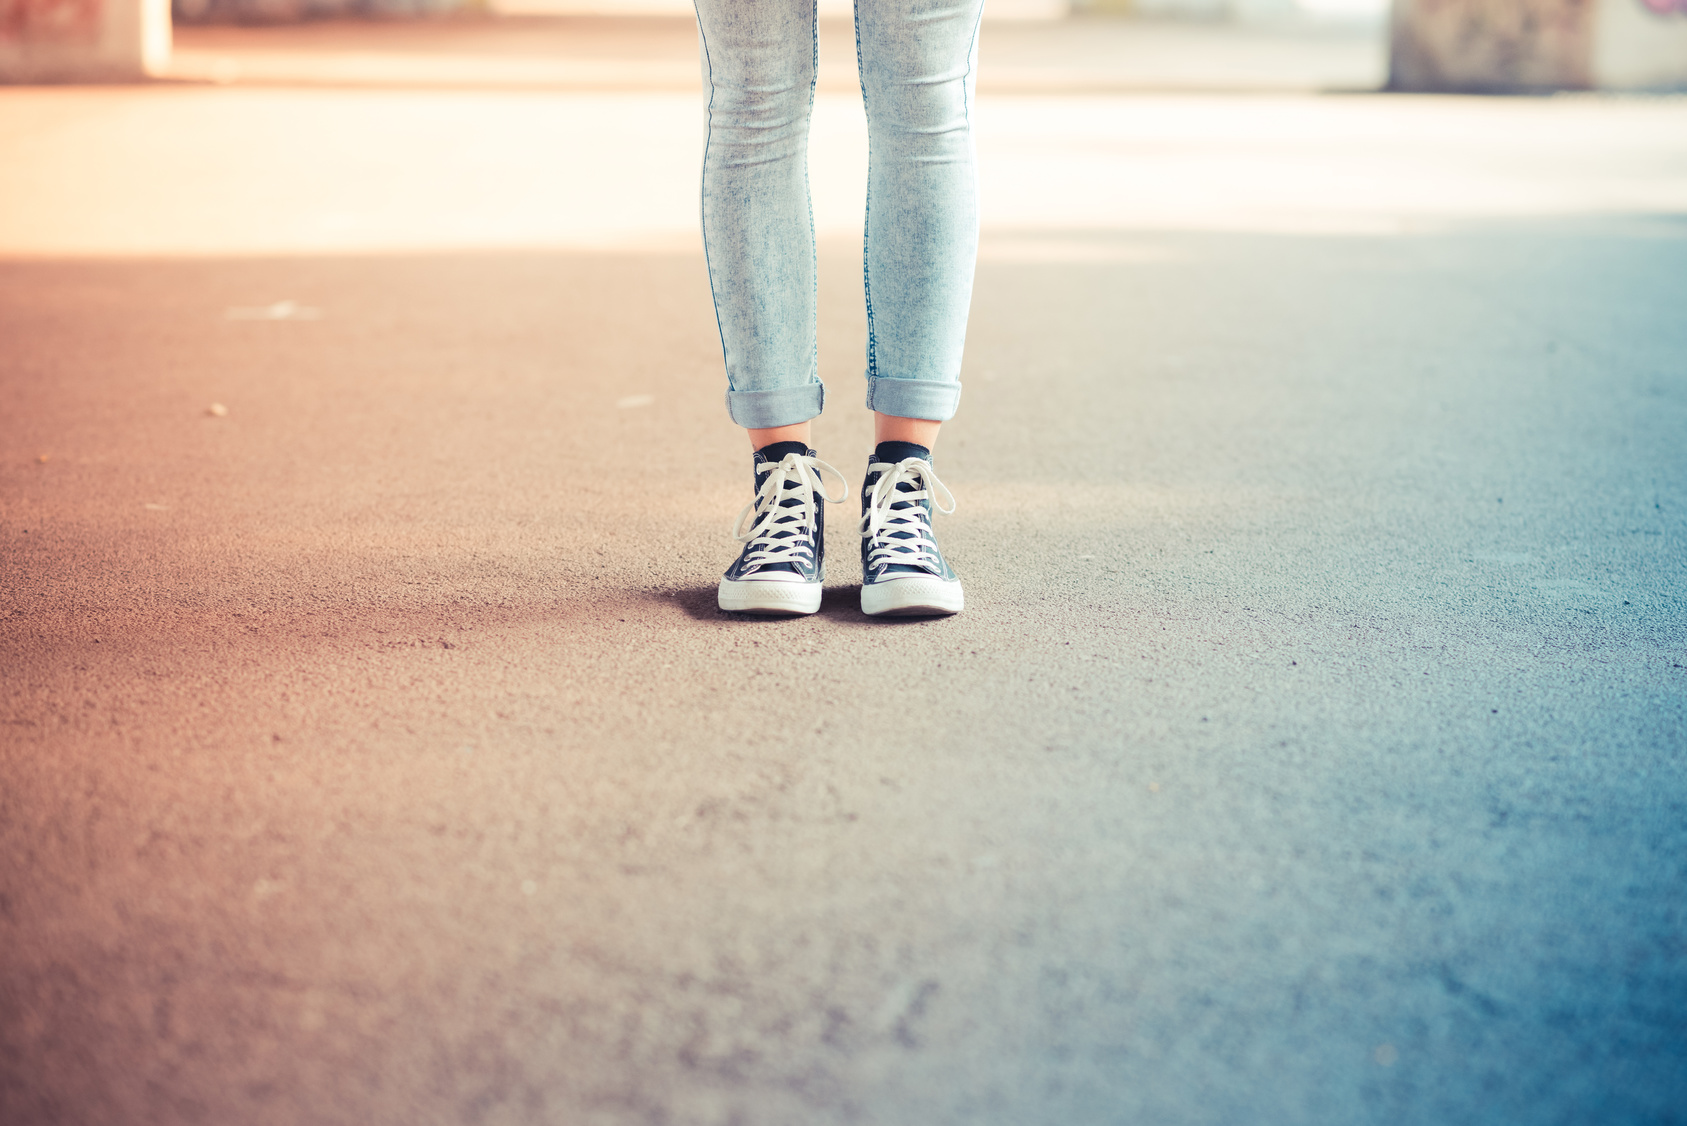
[901, 533]
[778, 531]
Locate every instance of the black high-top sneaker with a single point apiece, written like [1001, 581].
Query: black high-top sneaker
[784, 558]
[902, 571]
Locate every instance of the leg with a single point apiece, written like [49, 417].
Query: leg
[917, 60]
[758, 226]
[890, 428]
[917, 65]
[758, 236]
[798, 432]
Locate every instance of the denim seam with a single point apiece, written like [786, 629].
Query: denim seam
[966, 79]
[808, 187]
[867, 215]
[703, 193]
[972, 142]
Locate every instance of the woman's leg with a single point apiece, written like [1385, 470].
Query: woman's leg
[758, 235]
[758, 224]
[895, 428]
[917, 60]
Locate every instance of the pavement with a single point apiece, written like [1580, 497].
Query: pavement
[1313, 748]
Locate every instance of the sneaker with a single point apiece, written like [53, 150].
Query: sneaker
[902, 571]
[784, 558]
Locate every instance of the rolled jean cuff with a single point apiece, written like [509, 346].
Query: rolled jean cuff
[781, 406]
[931, 399]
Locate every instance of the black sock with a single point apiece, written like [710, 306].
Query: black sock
[776, 451]
[893, 452]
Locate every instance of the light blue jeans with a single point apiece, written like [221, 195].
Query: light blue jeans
[917, 62]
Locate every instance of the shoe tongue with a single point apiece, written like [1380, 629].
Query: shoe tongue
[766, 458]
[891, 453]
[772, 454]
[894, 452]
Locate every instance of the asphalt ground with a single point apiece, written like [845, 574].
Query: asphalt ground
[1313, 748]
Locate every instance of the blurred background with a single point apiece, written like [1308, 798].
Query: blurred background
[1310, 750]
[280, 162]
[259, 11]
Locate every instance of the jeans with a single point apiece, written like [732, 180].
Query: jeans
[917, 62]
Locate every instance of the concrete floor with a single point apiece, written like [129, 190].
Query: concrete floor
[1313, 749]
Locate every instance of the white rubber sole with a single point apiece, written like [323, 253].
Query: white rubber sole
[767, 596]
[912, 597]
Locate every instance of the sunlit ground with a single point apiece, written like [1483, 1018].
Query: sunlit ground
[236, 170]
[372, 751]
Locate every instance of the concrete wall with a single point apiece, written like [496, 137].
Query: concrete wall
[835, 9]
[295, 11]
[1503, 46]
[1638, 45]
[1245, 11]
[1212, 9]
[288, 11]
[83, 40]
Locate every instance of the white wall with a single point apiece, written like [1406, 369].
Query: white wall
[121, 40]
[1365, 10]
[1634, 48]
[1370, 11]
[838, 9]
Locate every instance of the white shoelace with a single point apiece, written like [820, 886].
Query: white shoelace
[880, 523]
[780, 533]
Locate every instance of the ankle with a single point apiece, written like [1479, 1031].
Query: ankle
[797, 432]
[892, 428]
